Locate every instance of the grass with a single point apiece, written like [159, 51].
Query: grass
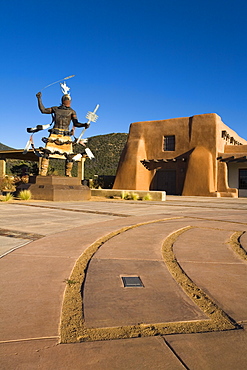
[72, 325]
[235, 244]
[70, 282]
[147, 197]
[7, 197]
[129, 196]
[125, 195]
[134, 196]
[25, 194]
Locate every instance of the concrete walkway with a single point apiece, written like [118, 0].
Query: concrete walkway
[41, 242]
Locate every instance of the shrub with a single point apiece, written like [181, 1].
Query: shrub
[7, 183]
[25, 194]
[7, 197]
[134, 196]
[147, 197]
[129, 196]
[125, 195]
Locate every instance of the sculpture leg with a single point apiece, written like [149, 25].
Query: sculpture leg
[44, 167]
[69, 166]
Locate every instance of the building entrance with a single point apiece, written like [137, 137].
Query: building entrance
[166, 181]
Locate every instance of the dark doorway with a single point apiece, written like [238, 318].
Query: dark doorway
[166, 181]
[242, 178]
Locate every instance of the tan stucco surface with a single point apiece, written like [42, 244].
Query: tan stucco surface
[198, 141]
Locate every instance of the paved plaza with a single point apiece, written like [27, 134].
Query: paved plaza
[63, 300]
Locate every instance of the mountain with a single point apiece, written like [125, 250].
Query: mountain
[5, 147]
[107, 150]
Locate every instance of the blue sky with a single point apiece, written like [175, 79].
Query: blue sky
[140, 60]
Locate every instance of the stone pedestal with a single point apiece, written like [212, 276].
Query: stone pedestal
[58, 188]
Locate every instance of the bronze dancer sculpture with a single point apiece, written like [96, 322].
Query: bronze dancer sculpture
[59, 141]
[59, 144]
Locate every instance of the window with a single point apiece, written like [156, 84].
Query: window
[243, 179]
[169, 143]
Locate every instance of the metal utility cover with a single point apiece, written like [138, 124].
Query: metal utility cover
[132, 281]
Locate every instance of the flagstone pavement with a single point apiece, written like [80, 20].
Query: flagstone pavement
[40, 243]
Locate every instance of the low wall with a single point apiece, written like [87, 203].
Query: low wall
[242, 193]
[155, 195]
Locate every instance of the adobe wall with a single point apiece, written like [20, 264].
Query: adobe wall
[198, 139]
[145, 141]
[226, 143]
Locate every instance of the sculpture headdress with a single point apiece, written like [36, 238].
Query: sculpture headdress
[65, 90]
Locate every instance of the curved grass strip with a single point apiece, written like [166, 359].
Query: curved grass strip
[219, 319]
[72, 328]
[72, 320]
[235, 244]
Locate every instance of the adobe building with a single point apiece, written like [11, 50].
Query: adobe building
[196, 155]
